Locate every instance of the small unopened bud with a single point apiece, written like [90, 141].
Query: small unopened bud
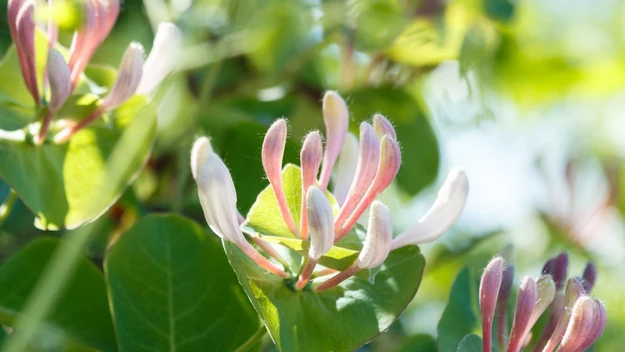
[580, 327]
[22, 28]
[574, 290]
[383, 127]
[502, 303]
[526, 300]
[345, 168]
[489, 290]
[444, 212]
[321, 223]
[368, 160]
[561, 263]
[163, 58]
[272, 153]
[390, 161]
[60, 80]
[589, 276]
[599, 322]
[336, 118]
[201, 148]
[379, 234]
[128, 78]
[310, 157]
[545, 293]
[548, 267]
[218, 198]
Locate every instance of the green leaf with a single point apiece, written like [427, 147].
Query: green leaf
[337, 257]
[69, 184]
[172, 289]
[459, 317]
[264, 216]
[470, 343]
[377, 23]
[420, 154]
[81, 314]
[420, 343]
[338, 319]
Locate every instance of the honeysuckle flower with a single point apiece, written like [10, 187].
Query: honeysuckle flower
[366, 168]
[60, 85]
[310, 158]
[489, 292]
[336, 118]
[444, 212]
[201, 149]
[575, 320]
[22, 28]
[218, 198]
[163, 59]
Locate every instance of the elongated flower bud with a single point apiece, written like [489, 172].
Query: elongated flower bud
[574, 290]
[201, 149]
[580, 328]
[502, 303]
[379, 234]
[599, 322]
[321, 223]
[336, 118]
[549, 266]
[589, 276]
[561, 263]
[545, 293]
[383, 127]
[219, 200]
[345, 168]
[128, 77]
[444, 212]
[60, 80]
[310, 157]
[526, 300]
[368, 160]
[22, 28]
[163, 59]
[272, 152]
[489, 290]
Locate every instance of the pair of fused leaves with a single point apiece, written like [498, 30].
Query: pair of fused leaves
[169, 285]
[338, 319]
[69, 184]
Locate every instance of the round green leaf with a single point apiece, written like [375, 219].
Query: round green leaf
[69, 184]
[81, 315]
[339, 319]
[420, 154]
[172, 290]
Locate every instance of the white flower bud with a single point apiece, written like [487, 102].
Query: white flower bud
[60, 80]
[379, 234]
[201, 149]
[219, 199]
[320, 223]
[128, 77]
[163, 59]
[444, 212]
[345, 168]
[336, 118]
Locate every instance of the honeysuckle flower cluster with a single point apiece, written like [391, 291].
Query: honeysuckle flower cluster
[575, 320]
[62, 74]
[365, 168]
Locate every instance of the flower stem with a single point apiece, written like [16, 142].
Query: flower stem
[338, 278]
[68, 132]
[7, 206]
[269, 250]
[45, 127]
[306, 273]
[262, 261]
[252, 341]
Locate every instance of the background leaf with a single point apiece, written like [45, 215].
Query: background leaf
[81, 315]
[172, 289]
[470, 343]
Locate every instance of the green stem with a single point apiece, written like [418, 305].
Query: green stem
[252, 341]
[48, 290]
[7, 206]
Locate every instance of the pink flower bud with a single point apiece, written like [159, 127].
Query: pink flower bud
[549, 266]
[128, 78]
[589, 276]
[526, 300]
[310, 157]
[368, 160]
[383, 127]
[502, 303]
[561, 263]
[219, 199]
[580, 328]
[379, 234]
[390, 160]
[22, 28]
[60, 81]
[272, 152]
[321, 223]
[444, 212]
[163, 59]
[345, 168]
[574, 290]
[599, 322]
[545, 293]
[201, 149]
[336, 118]
[489, 290]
